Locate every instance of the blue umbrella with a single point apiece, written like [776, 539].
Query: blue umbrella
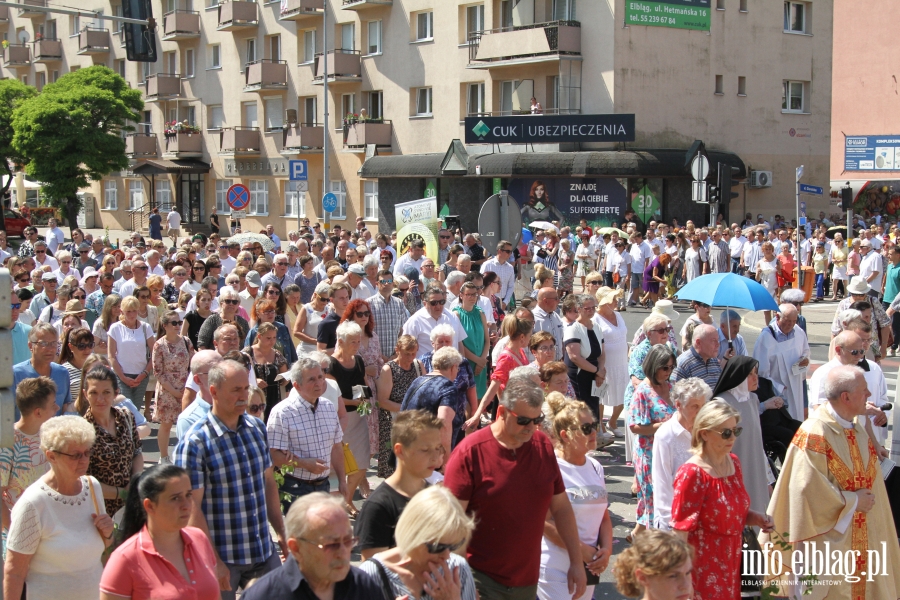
[728, 290]
[526, 235]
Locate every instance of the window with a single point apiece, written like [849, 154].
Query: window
[135, 194]
[348, 106]
[190, 115]
[720, 4]
[506, 10]
[795, 17]
[147, 124]
[25, 79]
[742, 86]
[146, 70]
[743, 6]
[118, 26]
[309, 45]
[719, 85]
[259, 197]
[348, 36]
[310, 110]
[56, 75]
[474, 20]
[251, 118]
[274, 114]
[373, 37]
[563, 10]
[375, 105]
[189, 62]
[425, 26]
[275, 47]
[339, 189]
[41, 80]
[370, 201]
[793, 98]
[294, 200]
[251, 51]
[110, 195]
[120, 68]
[170, 60]
[50, 28]
[222, 186]
[163, 195]
[475, 99]
[74, 25]
[215, 56]
[423, 102]
[211, 3]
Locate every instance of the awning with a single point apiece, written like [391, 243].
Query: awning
[159, 166]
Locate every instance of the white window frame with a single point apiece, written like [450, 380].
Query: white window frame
[788, 24]
[377, 26]
[163, 195]
[274, 114]
[294, 200]
[787, 95]
[189, 66]
[339, 189]
[212, 111]
[370, 200]
[426, 16]
[259, 198]
[306, 112]
[215, 56]
[309, 46]
[376, 108]
[351, 27]
[250, 54]
[222, 186]
[110, 195]
[424, 93]
[480, 109]
[41, 80]
[476, 11]
[135, 189]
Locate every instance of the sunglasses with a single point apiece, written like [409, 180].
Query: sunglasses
[404, 290]
[40, 252]
[362, 313]
[254, 408]
[435, 302]
[144, 268]
[281, 264]
[437, 548]
[523, 421]
[82, 297]
[273, 292]
[593, 283]
[84, 346]
[587, 428]
[16, 306]
[231, 302]
[727, 433]
[385, 281]
[667, 368]
[175, 323]
[855, 352]
[24, 280]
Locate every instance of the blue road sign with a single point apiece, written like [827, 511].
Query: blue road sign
[329, 202]
[802, 221]
[298, 170]
[811, 189]
[238, 196]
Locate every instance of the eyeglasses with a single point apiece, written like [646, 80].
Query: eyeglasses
[43, 344]
[523, 421]
[79, 456]
[82, 297]
[40, 252]
[854, 352]
[16, 306]
[404, 290]
[661, 330]
[127, 272]
[143, 297]
[66, 262]
[144, 268]
[667, 368]
[587, 428]
[385, 281]
[273, 292]
[546, 348]
[347, 542]
[438, 548]
[593, 283]
[267, 312]
[175, 323]
[84, 345]
[255, 407]
[444, 237]
[281, 264]
[231, 301]
[436, 302]
[24, 280]
[727, 433]
[363, 313]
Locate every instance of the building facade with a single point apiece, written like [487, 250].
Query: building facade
[237, 92]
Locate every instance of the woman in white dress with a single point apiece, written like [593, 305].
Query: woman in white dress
[766, 273]
[585, 258]
[838, 257]
[615, 346]
[694, 259]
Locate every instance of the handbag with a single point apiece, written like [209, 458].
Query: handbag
[616, 277]
[751, 584]
[350, 465]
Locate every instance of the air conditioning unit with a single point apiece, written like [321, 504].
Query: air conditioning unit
[760, 179]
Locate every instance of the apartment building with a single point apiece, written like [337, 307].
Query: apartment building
[237, 92]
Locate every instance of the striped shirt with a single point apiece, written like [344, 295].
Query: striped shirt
[304, 430]
[390, 315]
[690, 364]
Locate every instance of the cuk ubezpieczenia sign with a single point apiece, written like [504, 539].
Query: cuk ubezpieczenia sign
[549, 129]
[678, 14]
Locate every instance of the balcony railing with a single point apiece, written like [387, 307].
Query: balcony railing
[26, 12]
[4, 14]
[181, 25]
[524, 44]
[239, 140]
[526, 111]
[140, 145]
[306, 138]
[265, 74]
[359, 134]
[47, 50]
[94, 41]
[365, 4]
[238, 14]
[343, 65]
[296, 10]
[184, 145]
[17, 55]
[162, 85]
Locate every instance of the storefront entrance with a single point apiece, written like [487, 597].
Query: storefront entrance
[190, 198]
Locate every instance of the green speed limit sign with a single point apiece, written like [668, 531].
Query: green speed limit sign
[645, 203]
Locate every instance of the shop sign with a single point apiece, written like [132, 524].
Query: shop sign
[872, 153]
[600, 201]
[645, 204]
[676, 14]
[269, 166]
[549, 129]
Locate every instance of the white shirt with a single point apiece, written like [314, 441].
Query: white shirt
[48, 261]
[131, 346]
[506, 275]
[157, 270]
[640, 255]
[736, 245]
[173, 219]
[619, 262]
[60, 276]
[247, 300]
[420, 325]
[127, 288]
[407, 261]
[671, 449]
[277, 241]
[228, 265]
[55, 238]
[869, 265]
[363, 291]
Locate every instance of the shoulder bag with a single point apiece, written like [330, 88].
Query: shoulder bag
[386, 587]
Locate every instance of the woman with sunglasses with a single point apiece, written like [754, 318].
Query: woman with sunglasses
[649, 408]
[198, 272]
[146, 313]
[229, 304]
[172, 354]
[267, 364]
[77, 345]
[360, 313]
[431, 532]
[273, 291]
[256, 402]
[711, 506]
[571, 426]
[263, 311]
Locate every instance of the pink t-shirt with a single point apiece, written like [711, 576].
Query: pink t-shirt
[137, 571]
[505, 364]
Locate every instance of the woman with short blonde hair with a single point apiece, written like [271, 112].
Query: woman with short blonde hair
[130, 343]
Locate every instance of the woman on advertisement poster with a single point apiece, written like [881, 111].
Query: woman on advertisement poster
[539, 206]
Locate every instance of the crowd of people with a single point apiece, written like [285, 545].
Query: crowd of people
[287, 369]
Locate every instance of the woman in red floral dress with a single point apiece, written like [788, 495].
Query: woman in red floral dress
[711, 506]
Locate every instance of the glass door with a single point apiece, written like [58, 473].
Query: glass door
[191, 200]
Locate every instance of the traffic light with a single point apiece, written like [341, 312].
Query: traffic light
[725, 183]
[846, 198]
[140, 40]
[714, 194]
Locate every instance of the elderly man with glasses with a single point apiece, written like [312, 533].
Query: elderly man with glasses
[432, 314]
[43, 340]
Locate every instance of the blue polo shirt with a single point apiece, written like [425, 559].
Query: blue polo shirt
[58, 373]
[19, 332]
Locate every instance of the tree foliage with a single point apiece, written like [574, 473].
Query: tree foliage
[71, 132]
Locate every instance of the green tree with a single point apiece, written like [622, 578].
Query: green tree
[71, 133]
[12, 93]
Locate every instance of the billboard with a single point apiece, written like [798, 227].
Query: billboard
[601, 201]
[677, 14]
[550, 129]
[872, 153]
[418, 220]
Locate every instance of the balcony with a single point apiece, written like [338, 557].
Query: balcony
[183, 144]
[140, 145]
[365, 4]
[181, 25]
[29, 13]
[239, 141]
[303, 139]
[162, 86]
[94, 41]
[237, 15]
[265, 75]
[343, 67]
[359, 134]
[298, 10]
[4, 15]
[529, 44]
[16, 55]
[47, 50]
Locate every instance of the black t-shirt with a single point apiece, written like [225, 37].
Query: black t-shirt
[328, 330]
[195, 322]
[378, 518]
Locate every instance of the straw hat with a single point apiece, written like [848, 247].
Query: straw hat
[74, 307]
[607, 295]
[665, 308]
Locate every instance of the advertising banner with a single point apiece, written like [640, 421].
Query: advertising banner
[549, 129]
[418, 220]
[872, 153]
[600, 201]
[677, 14]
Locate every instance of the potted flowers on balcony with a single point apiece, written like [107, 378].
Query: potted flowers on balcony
[176, 127]
[354, 118]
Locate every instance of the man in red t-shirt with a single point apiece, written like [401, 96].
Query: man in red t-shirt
[507, 476]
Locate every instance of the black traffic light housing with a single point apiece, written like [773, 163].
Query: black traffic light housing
[846, 198]
[725, 183]
[140, 40]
